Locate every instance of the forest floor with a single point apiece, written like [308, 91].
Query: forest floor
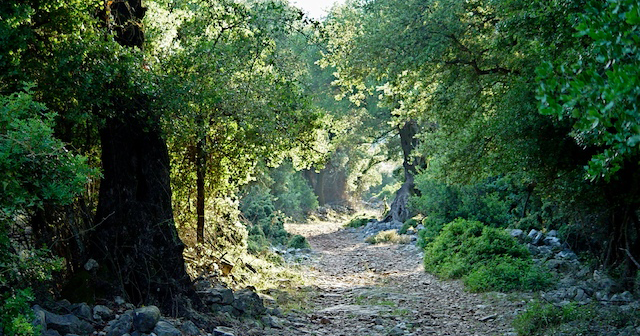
[358, 289]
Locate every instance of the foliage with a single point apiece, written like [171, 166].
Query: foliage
[389, 236]
[497, 201]
[359, 222]
[409, 223]
[572, 319]
[482, 256]
[37, 170]
[598, 88]
[298, 242]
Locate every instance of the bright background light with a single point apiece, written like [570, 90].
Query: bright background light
[317, 9]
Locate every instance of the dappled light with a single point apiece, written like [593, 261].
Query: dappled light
[325, 167]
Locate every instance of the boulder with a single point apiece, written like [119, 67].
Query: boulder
[90, 265]
[223, 331]
[120, 326]
[190, 329]
[145, 319]
[51, 332]
[554, 242]
[217, 295]
[163, 328]
[248, 302]
[67, 324]
[39, 318]
[82, 310]
[102, 313]
[516, 233]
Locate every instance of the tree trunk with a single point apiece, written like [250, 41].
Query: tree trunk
[399, 210]
[200, 198]
[135, 238]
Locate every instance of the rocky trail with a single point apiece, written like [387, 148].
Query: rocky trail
[369, 290]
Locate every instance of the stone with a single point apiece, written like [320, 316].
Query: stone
[120, 326]
[67, 324]
[275, 312]
[218, 295]
[552, 233]
[91, 264]
[545, 251]
[145, 318]
[272, 321]
[119, 300]
[82, 310]
[516, 233]
[39, 318]
[566, 254]
[51, 332]
[396, 331]
[223, 331]
[552, 241]
[248, 302]
[190, 329]
[163, 328]
[625, 297]
[101, 312]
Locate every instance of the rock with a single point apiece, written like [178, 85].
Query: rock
[625, 297]
[120, 326]
[545, 251]
[101, 312]
[516, 233]
[190, 329]
[554, 242]
[91, 264]
[223, 331]
[119, 300]
[218, 295]
[248, 302]
[39, 318]
[145, 319]
[272, 321]
[566, 254]
[275, 312]
[67, 324]
[82, 310]
[396, 331]
[165, 329]
[51, 332]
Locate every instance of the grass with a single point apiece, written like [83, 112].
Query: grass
[389, 236]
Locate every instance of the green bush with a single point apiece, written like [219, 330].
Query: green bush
[573, 319]
[486, 258]
[359, 222]
[409, 223]
[298, 241]
[36, 171]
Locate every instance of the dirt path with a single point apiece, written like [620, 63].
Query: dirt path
[371, 290]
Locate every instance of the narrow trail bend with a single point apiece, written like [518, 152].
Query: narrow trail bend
[372, 290]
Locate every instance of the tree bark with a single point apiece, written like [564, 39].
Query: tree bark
[399, 210]
[135, 240]
[200, 198]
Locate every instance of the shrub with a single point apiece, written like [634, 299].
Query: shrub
[36, 171]
[409, 223]
[359, 222]
[486, 258]
[390, 236]
[298, 241]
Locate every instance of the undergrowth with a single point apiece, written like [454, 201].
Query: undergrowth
[486, 258]
[389, 236]
[573, 320]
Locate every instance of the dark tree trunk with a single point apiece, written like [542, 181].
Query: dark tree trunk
[136, 239]
[201, 162]
[399, 210]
